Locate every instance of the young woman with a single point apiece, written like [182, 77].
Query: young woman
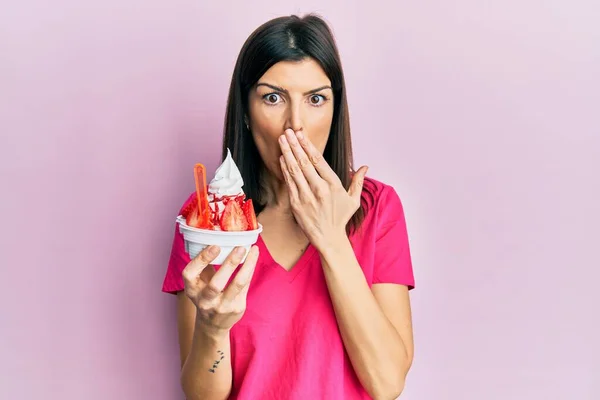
[320, 308]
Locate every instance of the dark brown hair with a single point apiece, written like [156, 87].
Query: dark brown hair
[289, 38]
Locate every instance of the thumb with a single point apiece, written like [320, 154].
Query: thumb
[358, 180]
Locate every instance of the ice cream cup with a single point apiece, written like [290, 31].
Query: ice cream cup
[197, 239]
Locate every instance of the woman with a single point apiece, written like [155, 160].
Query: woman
[320, 308]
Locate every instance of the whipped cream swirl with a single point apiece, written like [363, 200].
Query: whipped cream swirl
[228, 179]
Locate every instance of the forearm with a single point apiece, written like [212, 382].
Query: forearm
[374, 346]
[206, 373]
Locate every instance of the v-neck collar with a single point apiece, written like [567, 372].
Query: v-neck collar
[291, 274]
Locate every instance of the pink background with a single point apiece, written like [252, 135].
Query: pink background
[483, 115]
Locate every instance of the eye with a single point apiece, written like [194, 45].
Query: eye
[317, 100]
[272, 98]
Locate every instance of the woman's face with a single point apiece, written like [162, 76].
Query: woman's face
[291, 94]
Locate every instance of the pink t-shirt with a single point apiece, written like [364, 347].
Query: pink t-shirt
[288, 345]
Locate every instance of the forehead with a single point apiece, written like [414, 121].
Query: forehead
[302, 75]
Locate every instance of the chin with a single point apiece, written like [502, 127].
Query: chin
[278, 174]
[274, 169]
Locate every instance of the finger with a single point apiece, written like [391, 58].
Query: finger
[307, 168]
[207, 274]
[356, 186]
[316, 159]
[291, 184]
[241, 283]
[293, 168]
[191, 273]
[218, 282]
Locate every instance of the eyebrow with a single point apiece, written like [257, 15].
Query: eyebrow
[280, 89]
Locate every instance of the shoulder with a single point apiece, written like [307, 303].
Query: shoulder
[382, 205]
[379, 196]
[375, 186]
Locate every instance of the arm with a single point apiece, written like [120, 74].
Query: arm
[199, 350]
[207, 309]
[375, 324]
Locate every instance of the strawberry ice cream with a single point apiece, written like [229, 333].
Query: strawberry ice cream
[220, 214]
[229, 210]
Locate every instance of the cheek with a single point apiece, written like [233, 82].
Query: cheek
[268, 148]
[318, 126]
[266, 122]
[266, 131]
[319, 142]
[318, 133]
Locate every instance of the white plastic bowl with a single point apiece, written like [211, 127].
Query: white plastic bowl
[197, 239]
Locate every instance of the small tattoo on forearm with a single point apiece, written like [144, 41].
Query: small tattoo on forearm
[216, 363]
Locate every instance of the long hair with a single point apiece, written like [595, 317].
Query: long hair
[288, 38]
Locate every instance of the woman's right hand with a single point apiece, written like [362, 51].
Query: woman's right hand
[219, 306]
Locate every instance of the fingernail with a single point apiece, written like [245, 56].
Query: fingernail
[212, 250]
[299, 135]
[282, 139]
[240, 251]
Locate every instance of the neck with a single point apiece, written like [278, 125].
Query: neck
[276, 194]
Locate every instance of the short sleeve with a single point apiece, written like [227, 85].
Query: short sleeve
[392, 260]
[173, 281]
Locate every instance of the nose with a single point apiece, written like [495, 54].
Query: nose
[294, 117]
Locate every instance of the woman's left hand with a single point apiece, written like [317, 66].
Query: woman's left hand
[320, 203]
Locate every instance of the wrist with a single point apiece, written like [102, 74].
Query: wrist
[210, 333]
[334, 245]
